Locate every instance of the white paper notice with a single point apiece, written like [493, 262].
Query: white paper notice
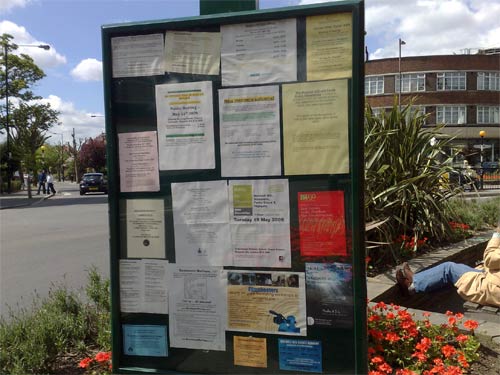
[260, 223]
[250, 131]
[145, 228]
[201, 223]
[138, 55]
[184, 114]
[138, 155]
[192, 52]
[259, 52]
[197, 299]
[143, 286]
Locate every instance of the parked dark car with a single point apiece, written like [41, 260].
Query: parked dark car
[93, 183]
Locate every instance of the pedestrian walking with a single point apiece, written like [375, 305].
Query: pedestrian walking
[50, 183]
[42, 178]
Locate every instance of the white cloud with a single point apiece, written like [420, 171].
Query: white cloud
[7, 5]
[71, 118]
[43, 58]
[88, 70]
[431, 27]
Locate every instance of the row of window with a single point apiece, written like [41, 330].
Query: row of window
[446, 81]
[457, 114]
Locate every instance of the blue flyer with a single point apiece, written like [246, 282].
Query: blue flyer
[300, 355]
[145, 340]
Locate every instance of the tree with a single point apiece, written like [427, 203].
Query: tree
[31, 124]
[92, 155]
[28, 119]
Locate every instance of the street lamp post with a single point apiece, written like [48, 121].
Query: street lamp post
[401, 43]
[482, 134]
[7, 125]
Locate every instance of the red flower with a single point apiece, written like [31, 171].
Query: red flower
[392, 337]
[405, 371]
[377, 359]
[385, 368]
[448, 351]
[462, 338]
[452, 320]
[420, 356]
[471, 324]
[103, 356]
[424, 344]
[85, 363]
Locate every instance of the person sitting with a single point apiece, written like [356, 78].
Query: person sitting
[480, 286]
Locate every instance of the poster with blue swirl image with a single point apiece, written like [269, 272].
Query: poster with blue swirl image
[329, 295]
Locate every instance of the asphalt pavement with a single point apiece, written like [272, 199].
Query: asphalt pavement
[20, 198]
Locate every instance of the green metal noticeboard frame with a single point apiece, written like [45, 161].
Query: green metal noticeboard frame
[339, 344]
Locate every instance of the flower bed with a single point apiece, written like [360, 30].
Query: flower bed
[399, 344]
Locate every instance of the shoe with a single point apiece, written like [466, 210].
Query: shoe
[404, 279]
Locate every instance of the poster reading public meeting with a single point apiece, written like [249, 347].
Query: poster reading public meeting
[235, 167]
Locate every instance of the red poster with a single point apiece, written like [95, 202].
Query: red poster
[322, 223]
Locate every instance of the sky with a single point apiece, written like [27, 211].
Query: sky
[73, 83]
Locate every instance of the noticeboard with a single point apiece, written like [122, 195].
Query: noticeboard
[235, 162]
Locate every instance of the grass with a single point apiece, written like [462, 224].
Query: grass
[33, 340]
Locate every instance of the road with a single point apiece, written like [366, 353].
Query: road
[53, 242]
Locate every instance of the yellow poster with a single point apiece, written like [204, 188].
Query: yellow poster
[329, 46]
[315, 128]
[266, 302]
[250, 351]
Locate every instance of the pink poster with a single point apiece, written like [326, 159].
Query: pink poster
[322, 223]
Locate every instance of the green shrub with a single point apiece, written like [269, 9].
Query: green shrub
[475, 213]
[405, 181]
[32, 340]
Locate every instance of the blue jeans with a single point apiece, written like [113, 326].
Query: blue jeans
[442, 275]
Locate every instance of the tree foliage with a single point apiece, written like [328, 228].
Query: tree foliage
[92, 155]
[22, 72]
[31, 122]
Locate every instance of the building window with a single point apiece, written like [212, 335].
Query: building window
[410, 82]
[488, 115]
[374, 85]
[450, 114]
[488, 81]
[451, 81]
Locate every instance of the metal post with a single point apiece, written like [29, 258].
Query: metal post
[401, 42]
[482, 133]
[7, 127]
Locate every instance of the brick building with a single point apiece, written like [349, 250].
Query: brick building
[461, 91]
